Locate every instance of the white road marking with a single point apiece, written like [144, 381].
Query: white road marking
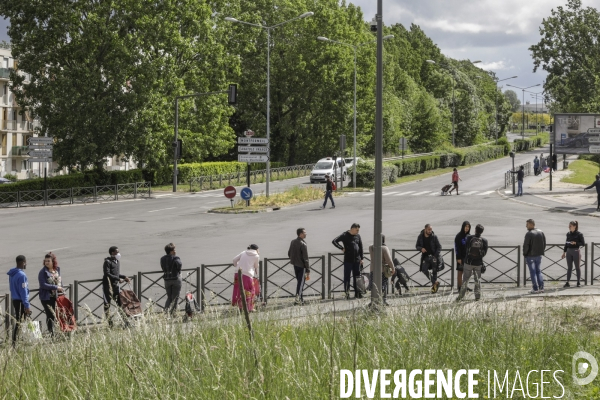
[485, 193]
[388, 193]
[94, 220]
[163, 209]
[402, 194]
[470, 193]
[369, 194]
[434, 194]
[421, 193]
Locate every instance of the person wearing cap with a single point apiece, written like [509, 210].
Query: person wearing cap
[247, 262]
[328, 191]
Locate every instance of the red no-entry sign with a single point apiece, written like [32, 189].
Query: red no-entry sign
[229, 192]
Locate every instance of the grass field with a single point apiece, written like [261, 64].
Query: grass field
[213, 358]
[291, 196]
[584, 172]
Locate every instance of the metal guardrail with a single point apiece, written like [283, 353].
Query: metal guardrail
[411, 261]
[91, 292]
[509, 177]
[51, 197]
[280, 269]
[554, 268]
[335, 271]
[156, 293]
[595, 261]
[5, 312]
[240, 178]
[213, 284]
[505, 265]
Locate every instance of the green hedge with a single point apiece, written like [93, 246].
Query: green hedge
[164, 175]
[365, 173]
[88, 178]
[531, 142]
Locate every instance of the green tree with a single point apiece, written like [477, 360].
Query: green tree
[425, 126]
[513, 99]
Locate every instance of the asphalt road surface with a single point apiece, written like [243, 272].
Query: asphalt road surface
[80, 235]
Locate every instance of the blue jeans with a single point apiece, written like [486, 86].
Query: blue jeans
[535, 272]
[328, 196]
[520, 190]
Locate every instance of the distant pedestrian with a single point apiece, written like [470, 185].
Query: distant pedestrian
[19, 292]
[352, 247]
[477, 248]
[386, 261]
[460, 249]
[111, 279]
[536, 166]
[298, 255]
[248, 262]
[520, 175]
[329, 188]
[455, 179]
[50, 286]
[543, 163]
[554, 162]
[171, 266]
[597, 186]
[534, 247]
[430, 248]
[571, 251]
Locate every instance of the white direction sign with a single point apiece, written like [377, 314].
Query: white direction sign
[40, 153]
[250, 140]
[252, 158]
[595, 149]
[41, 140]
[255, 149]
[593, 130]
[39, 159]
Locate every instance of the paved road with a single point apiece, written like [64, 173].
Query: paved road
[81, 235]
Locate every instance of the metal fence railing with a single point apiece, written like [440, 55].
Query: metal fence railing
[509, 177]
[52, 197]
[595, 262]
[503, 265]
[5, 312]
[240, 178]
[150, 287]
[554, 267]
[216, 284]
[335, 272]
[279, 279]
[37, 310]
[88, 296]
[411, 261]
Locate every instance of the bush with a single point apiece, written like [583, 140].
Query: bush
[365, 173]
[11, 177]
[506, 144]
[531, 142]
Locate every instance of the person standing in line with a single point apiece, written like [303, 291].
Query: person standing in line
[353, 257]
[171, 266]
[111, 279]
[19, 292]
[543, 163]
[574, 241]
[536, 166]
[248, 262]
[460, 249]
[455, 179]
[534, 247]
[430, 248]
[328, 191]
[554, 162]
[50, 286]
[386, 260]
[298, 255]
[597, 186]
[520, 175]
[477, 248]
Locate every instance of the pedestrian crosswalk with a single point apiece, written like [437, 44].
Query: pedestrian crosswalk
[421, 193]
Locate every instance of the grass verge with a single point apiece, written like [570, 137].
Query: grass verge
[584, 172]
[292, 196]
[301, 358]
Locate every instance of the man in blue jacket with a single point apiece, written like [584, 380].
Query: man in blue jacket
[19, 291]
[597, 186]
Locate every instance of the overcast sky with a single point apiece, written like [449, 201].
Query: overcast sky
[496, 32]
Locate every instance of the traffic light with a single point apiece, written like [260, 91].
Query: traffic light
[232, 94]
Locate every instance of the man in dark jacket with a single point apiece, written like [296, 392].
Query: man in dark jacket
[534, 247]
[328, 191]
[477, 248]
[520, 175]
[597, 186]
[430, 248]
[19, 292]
[460, 249]
[110, 280]
[353, 257]
[298, 255]
[171, 266]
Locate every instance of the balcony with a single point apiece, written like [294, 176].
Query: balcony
[9, 125]
[19, 151]
[5, 73]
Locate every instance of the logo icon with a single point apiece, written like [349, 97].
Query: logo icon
[580, 369]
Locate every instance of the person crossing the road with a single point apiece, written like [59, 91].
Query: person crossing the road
[328, 191]
[455, 179]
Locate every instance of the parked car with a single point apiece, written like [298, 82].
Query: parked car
[4, 180]
[581, 140]
[326, 166]
[350, 161]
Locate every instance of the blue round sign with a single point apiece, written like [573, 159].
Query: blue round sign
[246, 193]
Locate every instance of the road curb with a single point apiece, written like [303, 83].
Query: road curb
[574, 212]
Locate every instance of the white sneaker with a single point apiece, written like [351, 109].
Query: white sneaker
[533, 292]
[541, 291]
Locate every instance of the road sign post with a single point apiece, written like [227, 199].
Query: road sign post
[343, 162]
[230, 192]
[246, 194]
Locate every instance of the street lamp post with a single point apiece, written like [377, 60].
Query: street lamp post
[355, 48]
[523, 106]
[268, 29]
[499, 80]
[452, 71]
[536, 111]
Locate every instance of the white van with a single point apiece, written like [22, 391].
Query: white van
[326, 166]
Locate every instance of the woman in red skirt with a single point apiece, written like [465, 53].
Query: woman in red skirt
[247, 261]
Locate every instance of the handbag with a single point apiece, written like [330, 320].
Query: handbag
[361, 285]
[441, 264]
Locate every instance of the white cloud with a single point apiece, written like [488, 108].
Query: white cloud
[495, 66]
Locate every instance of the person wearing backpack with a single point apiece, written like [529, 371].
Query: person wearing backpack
[387, 268]
[171, 266]
[460, 249]
[430, 248]
[534, 247]
[329, 188]
[477, 248]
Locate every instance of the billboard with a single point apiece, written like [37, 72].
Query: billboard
[576, 134]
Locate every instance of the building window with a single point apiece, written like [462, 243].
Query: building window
[4, 144]
[14, 139]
